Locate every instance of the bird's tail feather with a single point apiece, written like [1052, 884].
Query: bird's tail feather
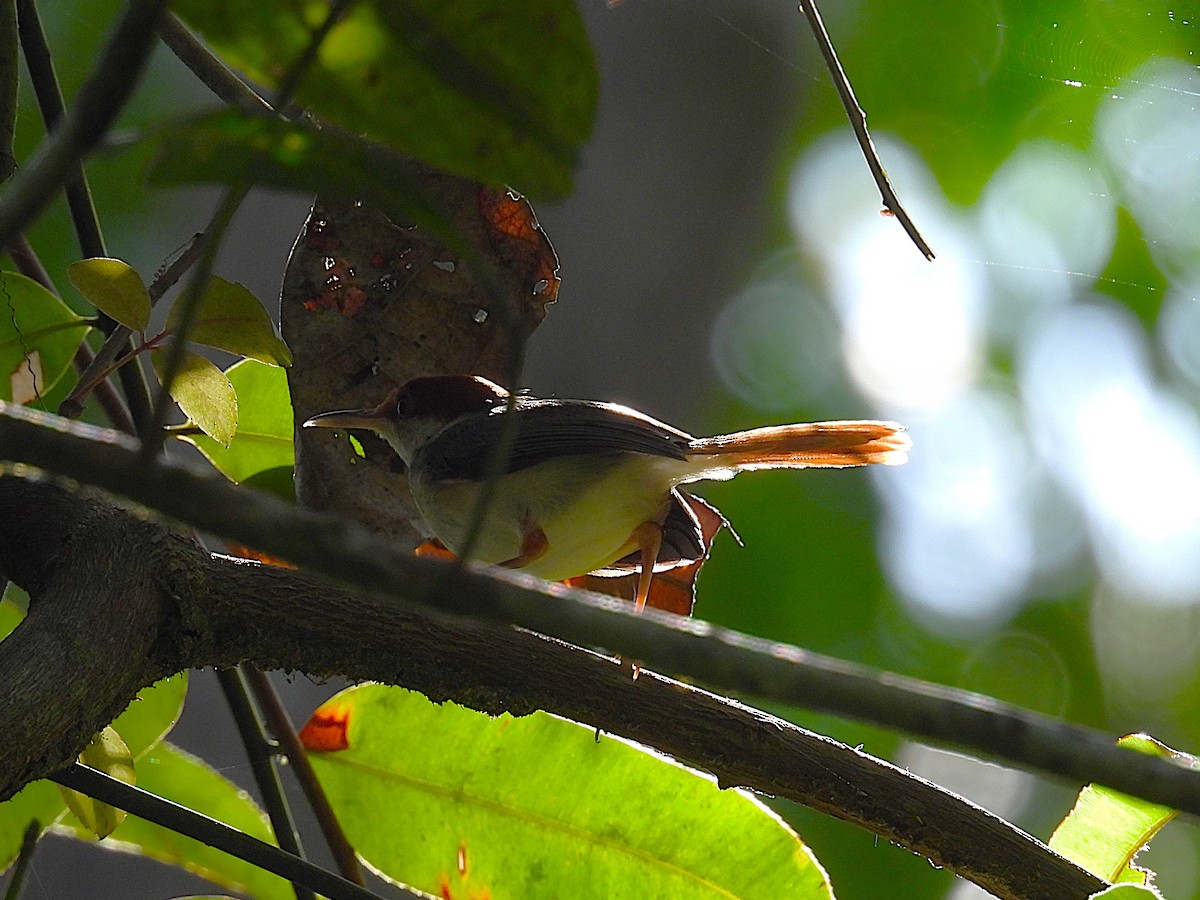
[813, 444]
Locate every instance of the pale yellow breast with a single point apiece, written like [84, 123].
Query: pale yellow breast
[587, 506]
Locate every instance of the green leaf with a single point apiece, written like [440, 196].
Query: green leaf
[501, 92]
[143, 724]
[263, 441]
[1106, 829]
[38, 800]
[39, 335]
[178, 776]
[152, 714]
[539, 806]
[114, 288]
[108, 754]
[231, 147]
[230, 318]
[204, 394]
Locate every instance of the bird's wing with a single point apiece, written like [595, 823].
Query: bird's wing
[547, 429]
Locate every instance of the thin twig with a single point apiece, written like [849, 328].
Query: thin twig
[208, 831]
[50, 102]
[57, 163]
[280, 724]
[209, 68]
[858, 122]
[261, 753]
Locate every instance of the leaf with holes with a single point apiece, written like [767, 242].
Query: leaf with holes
[39, 335]
[204, 394]
[230, 318]
[113, 287]
[263, 442]
[539, 806]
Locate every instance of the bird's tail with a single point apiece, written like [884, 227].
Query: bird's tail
[815, 444]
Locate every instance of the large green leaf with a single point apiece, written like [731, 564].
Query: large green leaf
[501, 92]
[263, 441]
[1106, 829]
[181, 777]
[230, 147]
[39, 335]
[203, 393]
[113, 287]
[457, 803]
[230, 318]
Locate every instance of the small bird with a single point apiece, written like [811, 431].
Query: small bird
[583, 484]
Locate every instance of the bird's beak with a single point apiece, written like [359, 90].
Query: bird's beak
[370, 419]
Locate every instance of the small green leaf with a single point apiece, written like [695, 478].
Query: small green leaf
[114, 288]
[1106, 829]
[539, 806]
[107, 753]
[188, 781]
[204, 394]
[264, 434]
[230, 318]
[501, 92]
[39, 335]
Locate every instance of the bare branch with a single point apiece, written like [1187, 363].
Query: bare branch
[858, 122]
[204, 610]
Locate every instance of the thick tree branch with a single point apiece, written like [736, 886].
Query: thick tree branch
[197, 610]
[724, 659]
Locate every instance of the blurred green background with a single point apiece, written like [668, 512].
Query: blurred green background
[725, 265]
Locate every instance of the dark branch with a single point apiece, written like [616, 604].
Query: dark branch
[192, 611]
[206, 610]
[724, 659]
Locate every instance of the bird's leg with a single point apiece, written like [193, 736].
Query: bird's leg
[647, 537]
[534, 544]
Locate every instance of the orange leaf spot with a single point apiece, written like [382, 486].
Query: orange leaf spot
[326, 730]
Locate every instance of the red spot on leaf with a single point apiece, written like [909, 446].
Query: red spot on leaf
[444, 887]
[326, 730]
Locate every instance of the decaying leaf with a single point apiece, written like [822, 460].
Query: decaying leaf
[369, 303]
[26, 382]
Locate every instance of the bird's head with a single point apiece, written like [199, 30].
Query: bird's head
[413, 413]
